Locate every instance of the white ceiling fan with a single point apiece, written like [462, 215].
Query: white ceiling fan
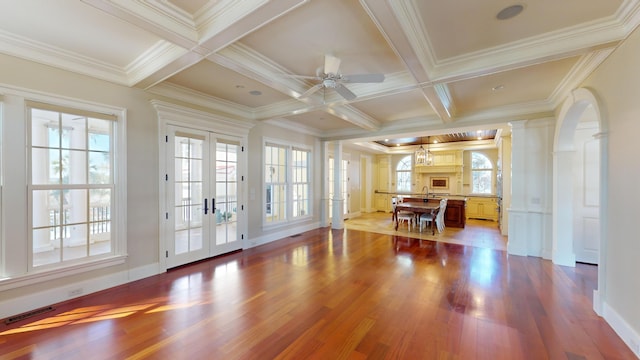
[331, 78]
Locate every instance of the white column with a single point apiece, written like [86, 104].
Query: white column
[506, 183]
[517, 227]
[325, 201]
[599, 293]
[337, 221]
[562, 251]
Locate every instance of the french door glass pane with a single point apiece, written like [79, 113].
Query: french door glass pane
[226, 192]
[188, 195]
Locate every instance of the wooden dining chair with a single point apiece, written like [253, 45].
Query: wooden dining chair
[433, 217]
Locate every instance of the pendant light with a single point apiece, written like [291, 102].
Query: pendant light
[422, 156]
[429, 154]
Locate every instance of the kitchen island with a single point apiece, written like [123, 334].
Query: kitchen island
[454, 215]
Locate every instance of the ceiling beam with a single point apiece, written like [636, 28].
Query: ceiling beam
[215, 27]
[402, 37]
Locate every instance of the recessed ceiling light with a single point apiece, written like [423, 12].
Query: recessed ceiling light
[255, 92]
[510, 12]
[435, 141]
[386, 140]
[479, 131]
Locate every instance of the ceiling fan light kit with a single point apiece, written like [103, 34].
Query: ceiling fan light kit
[331, 78]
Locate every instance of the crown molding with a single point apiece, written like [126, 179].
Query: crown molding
[354, 116]
[528, 110]
[580, 71]
[554, 45]
[24, 48]
[168, 111]
[220, 106]
[250, 63]
[629, 15]
[154, 16]
[224, 14]
[153, 60]
[294, 126]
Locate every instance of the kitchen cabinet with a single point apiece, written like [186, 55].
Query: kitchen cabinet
[384, 173]
[454, 216]
[382, 202]
[443, 162]
[485, 208]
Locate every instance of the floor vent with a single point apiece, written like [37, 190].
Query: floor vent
[28, 314]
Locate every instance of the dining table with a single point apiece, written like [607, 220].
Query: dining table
[417, 208]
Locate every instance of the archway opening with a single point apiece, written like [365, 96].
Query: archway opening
[579, 181]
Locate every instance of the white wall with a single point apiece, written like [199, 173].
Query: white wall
[616, 83]
[258, 234]
[142, 179]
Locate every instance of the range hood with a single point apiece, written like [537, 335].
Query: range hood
[438, 169]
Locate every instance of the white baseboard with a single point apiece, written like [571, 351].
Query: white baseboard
[70, 291]
[622, 328]
[286, 232]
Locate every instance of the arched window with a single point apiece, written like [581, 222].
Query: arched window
[481, 174]
[403, 175]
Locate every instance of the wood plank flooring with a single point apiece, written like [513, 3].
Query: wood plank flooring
[335, 294]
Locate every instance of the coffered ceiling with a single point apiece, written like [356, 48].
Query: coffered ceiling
[448, 66]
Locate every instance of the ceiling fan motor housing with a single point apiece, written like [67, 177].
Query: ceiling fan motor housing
[329, 83]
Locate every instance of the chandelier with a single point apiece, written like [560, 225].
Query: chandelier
[422, 156]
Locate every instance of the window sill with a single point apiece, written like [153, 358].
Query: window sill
[286, 223]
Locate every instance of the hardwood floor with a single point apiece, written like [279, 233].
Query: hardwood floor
[335, 294]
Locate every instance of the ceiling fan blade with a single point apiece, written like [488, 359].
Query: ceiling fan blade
[346, 93]
[306, 77]
[331, 65]
[363, 78]
[309, 92]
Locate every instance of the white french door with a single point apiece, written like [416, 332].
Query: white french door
[203, 195]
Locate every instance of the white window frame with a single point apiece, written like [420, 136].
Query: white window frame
[297, 182]
[404, 171]
[480, 170]
[288, 184]
[15, 261]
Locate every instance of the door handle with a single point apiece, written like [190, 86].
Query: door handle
[206, 208]
[213, 205]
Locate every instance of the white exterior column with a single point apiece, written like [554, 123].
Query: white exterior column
[337, 221]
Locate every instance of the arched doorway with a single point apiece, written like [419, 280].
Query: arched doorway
[580, 103]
